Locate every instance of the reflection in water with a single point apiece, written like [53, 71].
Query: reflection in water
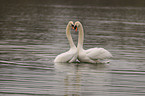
[72, 81]
[77, 77]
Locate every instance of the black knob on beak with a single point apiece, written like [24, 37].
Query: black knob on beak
[75, 27]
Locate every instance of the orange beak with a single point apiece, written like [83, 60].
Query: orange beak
[73, 27]
[76, 29]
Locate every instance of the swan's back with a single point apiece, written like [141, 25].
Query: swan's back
[98, 53]
[67, 56]
[64, 57]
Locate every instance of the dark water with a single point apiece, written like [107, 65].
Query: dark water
[32, 34]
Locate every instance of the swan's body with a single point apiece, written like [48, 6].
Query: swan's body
[91, 55]
[71, 55]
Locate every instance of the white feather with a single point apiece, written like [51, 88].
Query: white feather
[98, 53]
[91, 55]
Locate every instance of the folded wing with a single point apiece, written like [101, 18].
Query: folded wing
[98, 53]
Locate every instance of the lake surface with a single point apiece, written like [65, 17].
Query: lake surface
[32, 34]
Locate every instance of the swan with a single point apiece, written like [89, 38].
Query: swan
[71, 55]
[92, 55]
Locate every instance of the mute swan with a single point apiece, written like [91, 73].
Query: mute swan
[71, 55]
[91, 55]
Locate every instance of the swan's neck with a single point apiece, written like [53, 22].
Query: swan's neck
[68, 34]
[81, 37]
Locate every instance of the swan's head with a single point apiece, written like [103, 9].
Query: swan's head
[71, 24]
[77, 24]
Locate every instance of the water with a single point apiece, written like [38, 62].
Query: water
[32, 34]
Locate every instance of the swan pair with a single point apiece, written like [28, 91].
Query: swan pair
[91, 55]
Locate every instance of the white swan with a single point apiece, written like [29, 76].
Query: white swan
[91, 55]
[71, 55]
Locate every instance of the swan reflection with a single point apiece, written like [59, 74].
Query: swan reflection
[77, 76]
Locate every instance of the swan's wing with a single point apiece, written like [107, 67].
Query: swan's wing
[90, 50]
[64, 57]
[98, 53]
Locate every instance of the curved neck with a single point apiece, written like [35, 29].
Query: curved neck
[69, 36]
[81, 36]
